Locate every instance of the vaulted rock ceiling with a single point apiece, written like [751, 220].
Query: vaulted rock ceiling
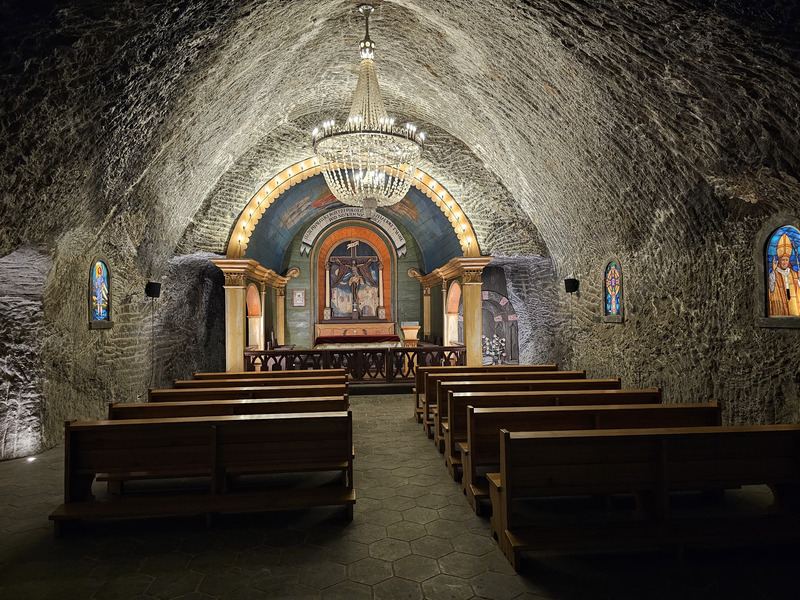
[655, 131]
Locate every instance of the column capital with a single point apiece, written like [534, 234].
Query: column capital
[234, 280]
[468, 267]
[472, 276]
[426, 291]
[281, 291]
[237, 270]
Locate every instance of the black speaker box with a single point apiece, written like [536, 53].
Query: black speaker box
[152, 289]
[571, 285]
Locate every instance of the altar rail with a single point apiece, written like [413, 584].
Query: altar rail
[384, 365]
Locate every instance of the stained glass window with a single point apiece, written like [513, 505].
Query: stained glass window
[613, 284]
[782, 267]
[99, 292]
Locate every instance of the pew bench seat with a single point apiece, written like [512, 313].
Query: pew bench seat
[200, 504]
[653, 534]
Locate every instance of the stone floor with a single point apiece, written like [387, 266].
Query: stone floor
[413, 536]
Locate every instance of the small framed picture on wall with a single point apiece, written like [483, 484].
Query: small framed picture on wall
[298, 298]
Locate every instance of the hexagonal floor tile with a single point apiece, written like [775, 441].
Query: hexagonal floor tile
[405, 530]
[322, 574]
[384, 516]
[347, 590]
[369, 571]
[416, 568]
[497, 586]
[366, 533]
[446, 587]
[470, 543]
[445, 529]
[457, 513]
[397, 589]
[431, 546]
[420, 514]
[462, 565]
[389, 549]
[345, 551]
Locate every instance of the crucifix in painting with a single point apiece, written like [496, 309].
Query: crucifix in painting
[354, 282]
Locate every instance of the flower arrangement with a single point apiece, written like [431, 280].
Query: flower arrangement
[494, 347]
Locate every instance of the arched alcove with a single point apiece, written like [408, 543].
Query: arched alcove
[255, 320]
[453, 331]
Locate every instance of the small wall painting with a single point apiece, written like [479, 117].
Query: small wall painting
[782, 268]
[298, 298]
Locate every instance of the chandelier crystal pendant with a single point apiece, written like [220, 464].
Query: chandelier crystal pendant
[368, 161]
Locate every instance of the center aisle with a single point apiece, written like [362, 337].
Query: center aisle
[413, 527]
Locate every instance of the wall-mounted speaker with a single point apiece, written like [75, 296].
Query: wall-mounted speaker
[571, 285]
[152, 289]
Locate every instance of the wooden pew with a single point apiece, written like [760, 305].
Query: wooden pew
[262, 381]
[482, 450]
[422, 372]
[302, 374]
[439, 389]
[211, 449]
[649, 463]
[259, 406]
[244, 393]
[455, 430]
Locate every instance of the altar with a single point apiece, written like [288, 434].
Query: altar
[365, 334]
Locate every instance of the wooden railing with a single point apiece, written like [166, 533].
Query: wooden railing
[384, 365]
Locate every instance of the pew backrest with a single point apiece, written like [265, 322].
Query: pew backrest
[163, 410]
[582, 462]
[248, 392]
[457, 402]
[444, 384]
[255, 382]
[422, 372]
[484, 424]
[309, 373]
[204, 446]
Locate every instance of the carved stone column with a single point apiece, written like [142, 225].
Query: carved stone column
[327, 313]
[445, 337]
[280, 315]
[235, 321]
[381, 312]
[473, 326]
[426, 312]
[264, 319]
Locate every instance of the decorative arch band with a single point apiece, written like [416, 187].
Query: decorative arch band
[263, 199]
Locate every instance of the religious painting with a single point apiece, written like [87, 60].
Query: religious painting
[613, 290]
[98, 292]
[783, 265]
[354, 269]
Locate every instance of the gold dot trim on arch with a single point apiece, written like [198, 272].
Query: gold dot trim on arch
[271, 191]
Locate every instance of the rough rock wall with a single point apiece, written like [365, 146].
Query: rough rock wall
[532, 289]
[54, 369]
[691, 325]
[661, 132]
[23, 332]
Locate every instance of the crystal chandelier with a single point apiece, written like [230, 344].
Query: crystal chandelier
[368, 161]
